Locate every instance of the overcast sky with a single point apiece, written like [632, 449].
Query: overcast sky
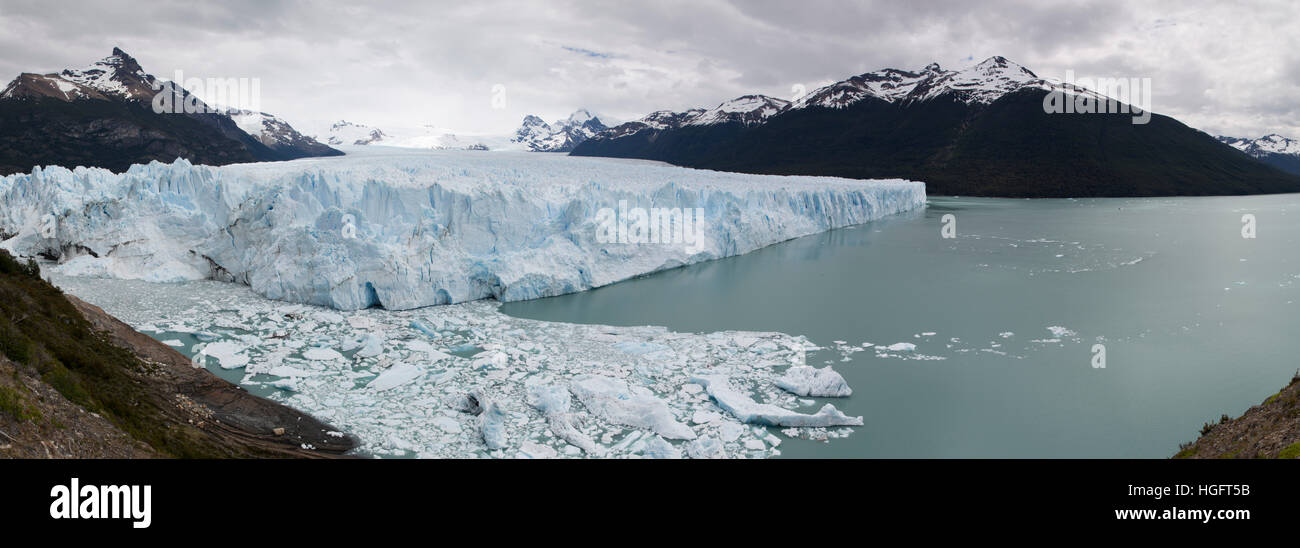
[1229, 70]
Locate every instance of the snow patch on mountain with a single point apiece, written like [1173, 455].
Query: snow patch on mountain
[747, 110]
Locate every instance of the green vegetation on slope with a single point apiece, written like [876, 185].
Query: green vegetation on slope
[41, 331]
[1268, 430]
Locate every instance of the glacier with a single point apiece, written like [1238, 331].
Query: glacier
[406, 229]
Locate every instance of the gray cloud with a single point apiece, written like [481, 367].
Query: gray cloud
[1225, 69]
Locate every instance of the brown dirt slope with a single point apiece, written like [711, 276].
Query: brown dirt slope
[1268, 430]
[77, 382]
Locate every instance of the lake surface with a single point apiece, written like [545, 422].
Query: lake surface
[1196, 321]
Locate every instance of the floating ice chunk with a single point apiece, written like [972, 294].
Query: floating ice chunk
[229, 354]
[371, 346]
[614, 401]
[901, 347]
[730, 431]
[287, 371]
[751, 412]
[492, 422]
[173, 342]
[547, 396]
[1059, 332]
[447, 424]
[639, 348]
[706, 447]
[492, 359]
[704, 416]
[434, 355]
[400, 373]
[1006, 334]
[818, 383]
[533, 450]
[418, 326]
[659, 448]
[321, 354]
[290, 384]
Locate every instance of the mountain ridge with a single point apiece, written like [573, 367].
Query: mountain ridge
[981, 131]
[103, 116]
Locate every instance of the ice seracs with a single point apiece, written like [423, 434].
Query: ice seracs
[410, 229]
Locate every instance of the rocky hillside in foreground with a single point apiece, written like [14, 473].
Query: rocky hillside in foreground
[1269, 430]
[979, 131]
[77, 383]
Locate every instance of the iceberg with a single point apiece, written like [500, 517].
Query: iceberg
[402, 231]
[613, 400]
[554, 402]
[395, 376]
[491, 422]
[803, 380]
[751, 412]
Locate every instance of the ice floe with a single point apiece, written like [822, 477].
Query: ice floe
[472, 382]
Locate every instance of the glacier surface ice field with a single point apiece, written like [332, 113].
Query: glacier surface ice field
[403, 230]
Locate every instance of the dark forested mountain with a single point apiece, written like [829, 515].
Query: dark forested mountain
[979, 131]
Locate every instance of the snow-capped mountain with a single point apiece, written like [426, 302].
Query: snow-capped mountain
[536, 135]
[1268, 144]
[747, 110]
[982, 130]
[428, 137]
[103, 116]
[344, 132]
[1273, 149]
[117, 76]
[276, 133]
[980, 84]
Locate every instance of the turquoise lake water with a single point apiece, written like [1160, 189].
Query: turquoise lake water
[1196, 321]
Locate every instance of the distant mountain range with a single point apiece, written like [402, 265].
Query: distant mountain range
[534, 134]
[103, 116]
[978, 131]
[1273, 149]
[345, 133]
[562, 136]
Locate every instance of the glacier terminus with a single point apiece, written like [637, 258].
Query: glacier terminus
[406, 229]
